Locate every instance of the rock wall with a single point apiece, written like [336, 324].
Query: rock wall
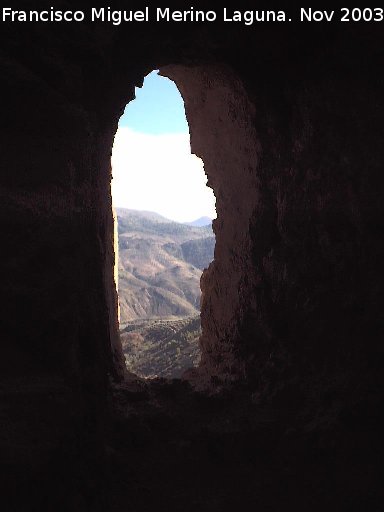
[289, 124]
[285, 163]
[58, 304]
[221, 120]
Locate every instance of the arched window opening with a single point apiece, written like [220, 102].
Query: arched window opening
[164, 216]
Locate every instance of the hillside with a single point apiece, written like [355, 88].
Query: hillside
[161, 348]
[160, 265]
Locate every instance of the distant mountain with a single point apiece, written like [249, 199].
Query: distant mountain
[200, 222]
[143, 214]
[160, 265]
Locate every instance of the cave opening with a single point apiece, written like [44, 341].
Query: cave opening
[292, 145]
[164, 212]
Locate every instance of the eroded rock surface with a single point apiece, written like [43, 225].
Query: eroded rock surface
[288, 120]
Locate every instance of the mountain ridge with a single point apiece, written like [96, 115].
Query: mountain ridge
[160, 265]
[200, 222]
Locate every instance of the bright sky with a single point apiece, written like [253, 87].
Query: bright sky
[152, 165]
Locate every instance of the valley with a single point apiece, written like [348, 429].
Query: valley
[160, 265]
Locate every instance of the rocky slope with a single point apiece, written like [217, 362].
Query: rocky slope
[161, 348]
[160, 265]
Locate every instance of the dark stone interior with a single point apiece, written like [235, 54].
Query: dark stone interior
[285, 411]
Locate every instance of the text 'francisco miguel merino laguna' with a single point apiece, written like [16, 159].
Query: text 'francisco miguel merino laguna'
[116, 17]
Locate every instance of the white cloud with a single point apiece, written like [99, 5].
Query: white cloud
[158, 173]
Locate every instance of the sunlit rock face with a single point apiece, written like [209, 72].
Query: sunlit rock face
[289, 125]
[221, 116]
